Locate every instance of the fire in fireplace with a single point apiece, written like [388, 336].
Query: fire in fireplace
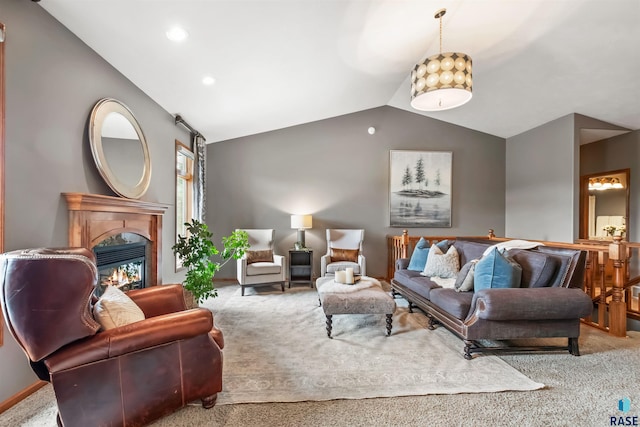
[121, 261]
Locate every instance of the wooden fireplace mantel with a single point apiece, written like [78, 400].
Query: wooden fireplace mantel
[93, 217]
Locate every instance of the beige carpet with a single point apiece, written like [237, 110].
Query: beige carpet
[277, 350]
[579, 391]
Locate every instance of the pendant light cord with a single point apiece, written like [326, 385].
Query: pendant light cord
[441, 34]
[439, 14]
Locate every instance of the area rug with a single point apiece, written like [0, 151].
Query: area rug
[277, 350]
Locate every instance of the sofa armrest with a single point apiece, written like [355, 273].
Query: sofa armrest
[133, 337]
[158, 300]
[402, 263]
[530, 304]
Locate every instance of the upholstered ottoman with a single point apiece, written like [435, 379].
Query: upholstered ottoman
[364, 297]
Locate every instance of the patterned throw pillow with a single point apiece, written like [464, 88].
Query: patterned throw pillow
[442, 265]
[344, 255]
[115, 308]
[421, 251]
[496, 270]
[259, 256]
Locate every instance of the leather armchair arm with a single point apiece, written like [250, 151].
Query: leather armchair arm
[530, 304]
[158, 300]
[133, 337]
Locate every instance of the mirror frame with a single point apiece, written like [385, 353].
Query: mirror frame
[584, 200]
[2, 91]
[100, 111]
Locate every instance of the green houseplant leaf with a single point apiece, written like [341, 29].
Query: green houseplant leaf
[196, 250]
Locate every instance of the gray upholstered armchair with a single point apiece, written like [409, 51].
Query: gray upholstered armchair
[344, 249]
[259, 266]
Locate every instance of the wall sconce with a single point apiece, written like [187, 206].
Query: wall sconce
[301, 223]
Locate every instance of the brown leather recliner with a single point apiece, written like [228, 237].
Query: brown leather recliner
[127, 376]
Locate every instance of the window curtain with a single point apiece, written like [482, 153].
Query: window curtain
[200, 177]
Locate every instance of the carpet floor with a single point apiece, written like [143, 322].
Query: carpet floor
[277, 350]
[580, 391]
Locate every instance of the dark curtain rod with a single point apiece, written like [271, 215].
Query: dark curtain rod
[181, 121]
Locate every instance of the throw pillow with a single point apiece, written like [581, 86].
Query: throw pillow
[464, 281]
[421, 251]
[259, 256]
[496, 270]
[115, 308]
[419, 256]
[442, 265]
[337, 255]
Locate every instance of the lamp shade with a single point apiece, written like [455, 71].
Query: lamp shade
[300, 222]
[441, 82]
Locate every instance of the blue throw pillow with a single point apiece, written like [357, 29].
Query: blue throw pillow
[496, 270]
[421, 251]
[419, 255]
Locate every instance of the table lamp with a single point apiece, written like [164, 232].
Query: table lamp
[300, 223]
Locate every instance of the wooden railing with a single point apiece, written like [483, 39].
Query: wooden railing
[611, 275]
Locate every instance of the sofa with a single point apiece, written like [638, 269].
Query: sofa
[547, 301]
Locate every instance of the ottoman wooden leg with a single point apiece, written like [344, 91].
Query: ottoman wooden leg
[389, 323]
[329, 325]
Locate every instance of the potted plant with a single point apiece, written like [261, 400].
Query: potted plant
[196, 249]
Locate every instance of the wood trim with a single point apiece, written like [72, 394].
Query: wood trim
[21, 395]
[2, 91]
[94, 217]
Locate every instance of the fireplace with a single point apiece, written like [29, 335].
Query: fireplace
[121, 262]
[125, 235]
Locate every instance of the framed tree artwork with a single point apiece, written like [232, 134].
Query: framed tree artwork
[420, 188]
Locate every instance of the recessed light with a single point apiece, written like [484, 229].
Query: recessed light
[177, 34]
[208, 80]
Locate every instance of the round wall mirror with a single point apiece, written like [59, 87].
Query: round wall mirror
[119, 148]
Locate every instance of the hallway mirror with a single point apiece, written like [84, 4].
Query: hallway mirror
[119, 148]
[604, 205]
[2, 38]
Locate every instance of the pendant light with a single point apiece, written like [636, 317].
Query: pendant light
[442, 81]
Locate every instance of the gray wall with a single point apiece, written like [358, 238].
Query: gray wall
[542, 182]
[620, 152]
[543, 168]
[334, 170]
[52, 82]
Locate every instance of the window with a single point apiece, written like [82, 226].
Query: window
[184, 191]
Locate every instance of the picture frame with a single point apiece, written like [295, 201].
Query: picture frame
[420, 188]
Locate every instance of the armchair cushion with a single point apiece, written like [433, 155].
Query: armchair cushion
[259, 256]
[260, 268]
[338, 255]
[115, 308]
[341, 265]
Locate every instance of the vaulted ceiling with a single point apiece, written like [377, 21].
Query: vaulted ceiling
[279, 63]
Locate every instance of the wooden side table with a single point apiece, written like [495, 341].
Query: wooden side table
[301, 266]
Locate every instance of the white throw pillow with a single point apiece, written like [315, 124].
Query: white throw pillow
[442, 265]
[115, 309]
